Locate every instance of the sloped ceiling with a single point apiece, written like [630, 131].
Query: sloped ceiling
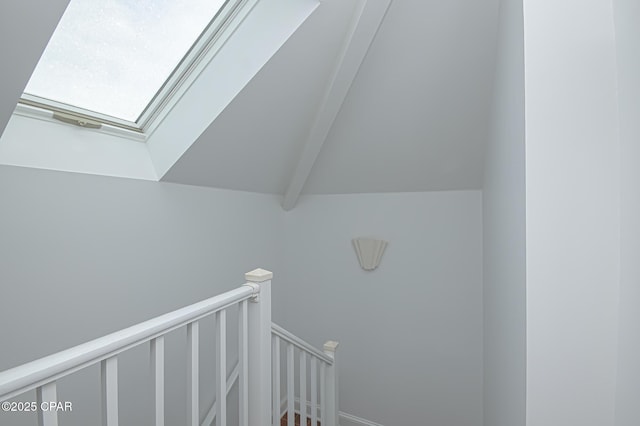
[25, 29]
[414, 119]
[255, 143]
[416, 116]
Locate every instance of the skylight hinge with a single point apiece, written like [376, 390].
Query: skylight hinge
[76, 120]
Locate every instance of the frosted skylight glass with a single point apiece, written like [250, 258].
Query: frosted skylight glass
[112, 56]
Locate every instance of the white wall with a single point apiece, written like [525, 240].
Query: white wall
[627, 18]
[572, 211]
[410, 331]
[53, 145]
[82, 256]
[503, 214]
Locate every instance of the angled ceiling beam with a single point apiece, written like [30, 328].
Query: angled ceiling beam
[364, 25]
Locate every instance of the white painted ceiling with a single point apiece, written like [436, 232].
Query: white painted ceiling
[416, 116]
[255, 143]
[414, 119]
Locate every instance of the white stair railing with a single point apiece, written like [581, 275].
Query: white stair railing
[322, 405]
[254, 375]
[258, 378]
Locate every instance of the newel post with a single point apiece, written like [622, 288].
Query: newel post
[259, 342]
[331, 387]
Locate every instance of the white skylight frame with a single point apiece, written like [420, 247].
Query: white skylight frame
[198, 56]
[190, 66]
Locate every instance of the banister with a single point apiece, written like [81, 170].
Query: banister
[253, 371]
[36, 373]
[299, 343]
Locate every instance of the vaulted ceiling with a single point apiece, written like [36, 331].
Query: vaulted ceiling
[413, 116]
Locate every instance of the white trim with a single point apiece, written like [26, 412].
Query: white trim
[53, 106]
[197, 60]
[289, 337]
[346, 419]
[349, 419]
[43, 114]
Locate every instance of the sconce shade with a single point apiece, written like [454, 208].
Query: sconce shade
[369, 252]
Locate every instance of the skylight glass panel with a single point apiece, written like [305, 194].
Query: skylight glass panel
[112, 56]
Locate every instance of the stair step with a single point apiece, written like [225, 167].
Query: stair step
[284, 420]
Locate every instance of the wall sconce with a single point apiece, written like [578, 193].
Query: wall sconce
[369, 252]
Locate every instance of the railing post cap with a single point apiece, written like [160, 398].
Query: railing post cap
[331, 346]
[258, 275]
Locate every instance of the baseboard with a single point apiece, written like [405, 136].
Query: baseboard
[351, 420]
[345, 419]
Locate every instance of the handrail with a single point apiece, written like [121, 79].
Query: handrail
[44, 370]
[299, 343]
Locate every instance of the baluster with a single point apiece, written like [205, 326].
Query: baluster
[303, 388]
[221, 368]
[243, 360]
[109, 373]
[314, 391]
[47, 394]
[330, 395]
[157, 367]
[323, 393]
[276, 381]
[291, 399]
[193, 410]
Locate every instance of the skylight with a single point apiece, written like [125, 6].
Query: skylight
[111, 58]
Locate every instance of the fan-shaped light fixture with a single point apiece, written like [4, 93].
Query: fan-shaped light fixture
[369, 251]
